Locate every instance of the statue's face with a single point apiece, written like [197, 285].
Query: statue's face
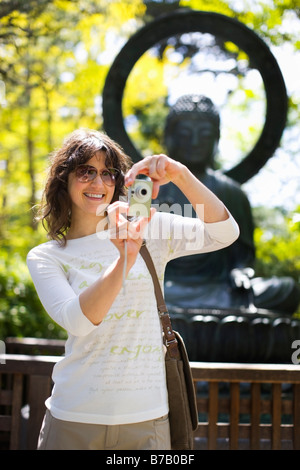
[193, 141]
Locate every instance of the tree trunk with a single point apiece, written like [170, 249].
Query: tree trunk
[30, 156]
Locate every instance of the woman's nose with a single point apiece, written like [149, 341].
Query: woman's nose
[97, 181]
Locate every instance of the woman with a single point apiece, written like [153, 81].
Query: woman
[109, 388]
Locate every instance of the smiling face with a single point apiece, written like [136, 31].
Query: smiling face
[88, 199]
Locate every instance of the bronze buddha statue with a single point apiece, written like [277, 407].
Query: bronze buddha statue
[223, 279]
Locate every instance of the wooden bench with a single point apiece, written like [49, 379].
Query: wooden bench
[35, 346]
[226, 393]
[266, 396]
[25, 383]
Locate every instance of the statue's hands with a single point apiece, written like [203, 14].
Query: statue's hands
[240, 277]
[160, 168]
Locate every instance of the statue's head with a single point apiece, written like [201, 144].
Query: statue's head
[192, 131]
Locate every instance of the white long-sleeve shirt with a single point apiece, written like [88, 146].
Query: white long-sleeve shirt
[114, 373]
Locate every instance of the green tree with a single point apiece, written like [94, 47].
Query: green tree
[277, 238]
[277, 241]
[52, 74]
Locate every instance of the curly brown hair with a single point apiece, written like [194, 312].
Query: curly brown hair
[77, 149]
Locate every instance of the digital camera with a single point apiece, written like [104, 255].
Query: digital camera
[139, 198]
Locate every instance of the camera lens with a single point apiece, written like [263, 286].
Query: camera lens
[141, 192]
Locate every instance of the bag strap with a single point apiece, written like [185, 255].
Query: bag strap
[169, 335]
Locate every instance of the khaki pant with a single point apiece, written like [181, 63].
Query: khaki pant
[65, 435]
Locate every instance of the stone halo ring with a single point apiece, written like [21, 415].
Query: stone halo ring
[184, 21]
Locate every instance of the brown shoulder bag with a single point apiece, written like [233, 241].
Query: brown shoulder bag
[183, 415]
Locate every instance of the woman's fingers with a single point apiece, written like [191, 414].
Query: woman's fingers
[122, 228]
[117, 221]
[154, 167]
[136, 227]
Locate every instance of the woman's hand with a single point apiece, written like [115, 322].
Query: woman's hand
[97, 299]
[160, 168]
[121, 229]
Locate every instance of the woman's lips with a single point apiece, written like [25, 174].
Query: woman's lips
[94, 196]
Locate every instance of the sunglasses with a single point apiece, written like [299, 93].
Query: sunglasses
[85, 173]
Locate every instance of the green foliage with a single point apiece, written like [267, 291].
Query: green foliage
[279, 255]
[21, 313]
[51, 77]
[277, 241]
